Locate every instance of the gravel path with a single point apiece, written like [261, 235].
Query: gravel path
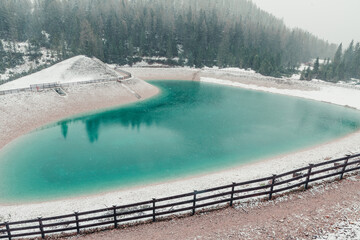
[327, 211]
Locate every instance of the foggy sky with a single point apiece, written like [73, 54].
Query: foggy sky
[333, 20]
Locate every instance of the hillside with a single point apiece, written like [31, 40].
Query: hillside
[75, 69]
[224, 33]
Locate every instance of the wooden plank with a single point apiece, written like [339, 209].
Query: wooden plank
[251, 195]
[343, 169]
[215, 195]
[135, 218]
[59, 217]
[292, 172]
[232, 194]
[174, 204]
[288, 187]
[77, 222]
[41, 228]
[25, 234]
[290, 180]
[59, 223]
[135, 204]
[60, 230]
[308, 175]
[98, 224]
[194, 203]
[15, 229]
[174, 211]
[272, 186]
[23, 222]
[95, 218]
[252, 189]
[115, 217]
[212, 203]
[154, 201]
[8, 230]
[175, 197]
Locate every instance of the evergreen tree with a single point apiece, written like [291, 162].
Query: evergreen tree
[316, 68]
[344, 66]
[223, 33]
[2, 58]
[338, 55]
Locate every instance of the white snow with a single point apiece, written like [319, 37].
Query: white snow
[236, 70]
[143, 63]
[296, 76]
[46, 35]
[75, 69]
[304, 66]
[331, 94]
[346, 230]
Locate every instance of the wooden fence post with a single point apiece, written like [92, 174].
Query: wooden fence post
[272, 186]
[308, 175]
[232, 194]
[115, 217]
[8, 230]
[343, 169]
[77, 222]
[194, 202]
[41, 228]
[154, 200]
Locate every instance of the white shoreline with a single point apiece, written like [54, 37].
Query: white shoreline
[266, 167]
[328, 94]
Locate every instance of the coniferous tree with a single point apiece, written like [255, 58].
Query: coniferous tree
[343, 67]
[316, 68]
[199, 33]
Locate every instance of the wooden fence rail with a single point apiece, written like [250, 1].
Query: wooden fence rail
[43, 86]
[187, 203]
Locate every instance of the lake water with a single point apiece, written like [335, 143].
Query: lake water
[189, 128]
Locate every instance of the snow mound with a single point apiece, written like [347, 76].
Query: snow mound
[76, 69]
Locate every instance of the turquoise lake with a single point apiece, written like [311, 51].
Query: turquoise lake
[189, 128]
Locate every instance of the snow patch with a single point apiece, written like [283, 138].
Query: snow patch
[332, 94]
[75, 69]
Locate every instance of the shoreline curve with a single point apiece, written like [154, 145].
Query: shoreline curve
[333, 148]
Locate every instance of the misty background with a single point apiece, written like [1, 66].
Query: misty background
[334, 20]
[35, 34]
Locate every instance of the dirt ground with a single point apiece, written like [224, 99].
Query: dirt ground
[311, 214]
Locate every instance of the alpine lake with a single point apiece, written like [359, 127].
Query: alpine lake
[189, 128]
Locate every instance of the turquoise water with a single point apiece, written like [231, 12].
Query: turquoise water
[189, 128]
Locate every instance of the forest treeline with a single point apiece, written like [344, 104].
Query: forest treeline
[345, 65]
[186, 32]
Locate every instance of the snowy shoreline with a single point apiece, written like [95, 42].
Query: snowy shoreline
[310, 90]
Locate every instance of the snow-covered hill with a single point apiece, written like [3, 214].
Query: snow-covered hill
[75, 69]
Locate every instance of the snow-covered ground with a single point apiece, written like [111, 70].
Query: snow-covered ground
[332, 94]
[346, 230]
[144, 63]
[151, 62]
[75, 69]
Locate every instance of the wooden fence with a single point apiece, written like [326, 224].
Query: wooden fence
[182, 204]
[43, 86]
